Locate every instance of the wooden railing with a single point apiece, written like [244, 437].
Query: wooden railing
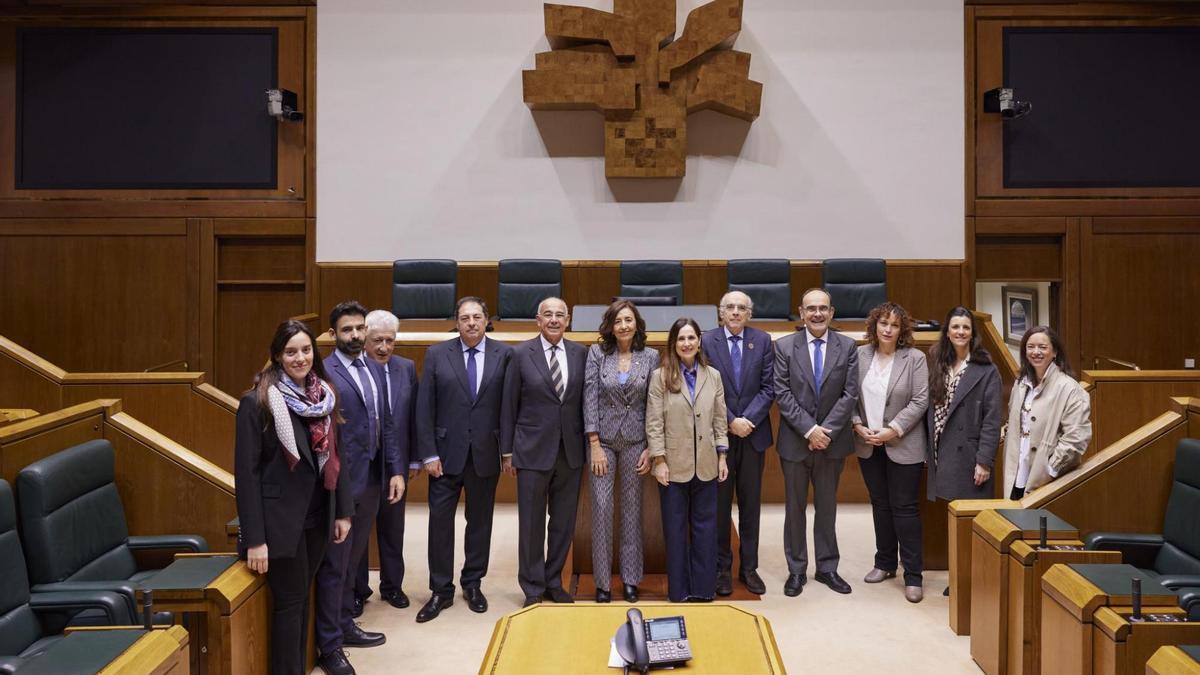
[181, 406]
[165, 488]
[1123, 400]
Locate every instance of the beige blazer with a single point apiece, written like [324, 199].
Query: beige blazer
[904, 408]
[687, 433]
[1060, 429]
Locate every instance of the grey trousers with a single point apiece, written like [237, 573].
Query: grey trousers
[622, 468]
[824, 473]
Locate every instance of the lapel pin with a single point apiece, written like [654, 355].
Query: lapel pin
[750, 346]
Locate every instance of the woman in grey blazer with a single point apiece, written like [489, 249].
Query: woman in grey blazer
[614, 416]
[889, 439]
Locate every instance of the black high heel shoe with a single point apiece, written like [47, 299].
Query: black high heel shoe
[603, 595]
[631, 593]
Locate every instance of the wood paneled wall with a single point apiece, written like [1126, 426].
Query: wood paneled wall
[1120, 259]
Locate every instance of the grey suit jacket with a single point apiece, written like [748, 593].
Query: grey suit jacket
[615, 411]
[904, 407]
[970, 436]
[533, 421]
[795, 393]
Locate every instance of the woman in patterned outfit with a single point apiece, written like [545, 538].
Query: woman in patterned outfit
[964, 413]
[614, 417]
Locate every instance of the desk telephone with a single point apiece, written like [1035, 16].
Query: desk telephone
[649, 643]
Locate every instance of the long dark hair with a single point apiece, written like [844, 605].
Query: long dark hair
[608, 339]
[272, 372]
[672, 372]
[1060, 356]
[884, 310]
[942, 355]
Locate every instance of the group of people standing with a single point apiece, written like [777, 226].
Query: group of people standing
[324, 449]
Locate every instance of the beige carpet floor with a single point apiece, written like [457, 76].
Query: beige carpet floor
[872, 630]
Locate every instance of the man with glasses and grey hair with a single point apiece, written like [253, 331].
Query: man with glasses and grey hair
[744, 357]
[401, 382]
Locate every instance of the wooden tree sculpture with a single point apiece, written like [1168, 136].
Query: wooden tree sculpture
[627, 65]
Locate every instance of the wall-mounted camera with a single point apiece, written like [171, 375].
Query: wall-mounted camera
[1004, 101]
[282, 103]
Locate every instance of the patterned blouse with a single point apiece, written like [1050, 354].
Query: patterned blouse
[941, 411]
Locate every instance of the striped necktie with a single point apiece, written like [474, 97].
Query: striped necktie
[556, 373]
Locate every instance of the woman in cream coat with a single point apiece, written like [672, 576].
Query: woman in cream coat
[889, 439]
[687, 432]
[1048, 416]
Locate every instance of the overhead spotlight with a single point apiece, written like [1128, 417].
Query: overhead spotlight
[1004, 101]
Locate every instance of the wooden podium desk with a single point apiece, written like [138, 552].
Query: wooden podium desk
[130, 650]
[224, 606]
[1027, 563]
[549, 638]
[994, 531]
[1175, 660]
[1086, 626]
[960, 517]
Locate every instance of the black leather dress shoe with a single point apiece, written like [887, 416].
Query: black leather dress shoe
[434, 607]
[335, 663]
[794, 585]
[397, 599]
[833, 581]
[752, 582]
[476, 602]
[724, 584]
[603, 595]
[361, 638]
[630, 593]
[557, 595]
[358, 607]
[531, 600]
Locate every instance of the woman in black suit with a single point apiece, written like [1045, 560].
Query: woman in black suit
[963, 418]
[292, 498]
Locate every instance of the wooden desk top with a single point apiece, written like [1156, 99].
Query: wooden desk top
[576, 638]
[1000, 532]
[11, 415]
[1082, 598]
[1173, 660]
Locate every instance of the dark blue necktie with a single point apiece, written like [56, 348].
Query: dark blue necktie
[818, 365]
[735, 355]
[472, 372]
[364, 381]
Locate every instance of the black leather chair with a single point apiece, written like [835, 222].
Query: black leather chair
[1172, 557]
[22, 636]
[768, 282]
[424, 289]
[652, 278]
[856, 285]
[524, 283]
[73, 525]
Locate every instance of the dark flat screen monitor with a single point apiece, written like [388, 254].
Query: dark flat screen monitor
[1112, 107]
[145, 108]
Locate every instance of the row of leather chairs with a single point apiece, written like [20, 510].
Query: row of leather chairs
[71, 562]
[427, 289]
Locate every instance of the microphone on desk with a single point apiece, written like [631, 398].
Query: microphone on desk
[1137, 598]
[147, 609]
[1041, 531]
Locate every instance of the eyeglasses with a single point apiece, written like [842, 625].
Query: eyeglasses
[739, 308]
[813, 309]
[553, 315]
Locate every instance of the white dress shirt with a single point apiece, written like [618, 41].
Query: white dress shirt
[360, 373]
[560, 353]
[874, 389]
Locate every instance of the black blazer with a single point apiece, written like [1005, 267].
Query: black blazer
[753, 399]
[970, 437]
[449, 424]
[533, 422]
[272, 499]
[402, 396]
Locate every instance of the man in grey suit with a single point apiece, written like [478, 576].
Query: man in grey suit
[458, 429]
[816, 387]
[541, 440]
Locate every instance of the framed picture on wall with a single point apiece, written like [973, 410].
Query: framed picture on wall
[1020, 311]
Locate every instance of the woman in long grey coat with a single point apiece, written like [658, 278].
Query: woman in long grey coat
[614, 416]
[964, 412]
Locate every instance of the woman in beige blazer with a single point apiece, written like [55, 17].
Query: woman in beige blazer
[686, 431]
[1048, 416]
[889, 439]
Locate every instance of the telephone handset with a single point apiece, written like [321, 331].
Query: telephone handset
[647, 643]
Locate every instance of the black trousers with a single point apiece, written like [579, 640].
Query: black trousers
[745, 476]
[689, 514]
[443, 503]
[894, 490]
[542, 546]
[335, 577]
[290, 580]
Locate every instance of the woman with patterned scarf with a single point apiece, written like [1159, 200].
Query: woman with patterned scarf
[292, 499]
